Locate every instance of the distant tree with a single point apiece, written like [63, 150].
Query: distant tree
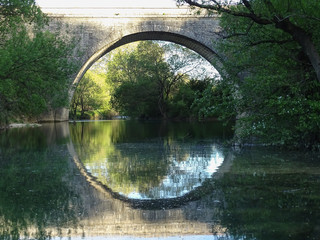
[85, 98]
[147, 77]
[186, 97]
[132, 73]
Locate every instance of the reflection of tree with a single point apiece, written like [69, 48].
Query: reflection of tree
[34, 192]
[34, 138]
[272, 197]
[136, 167]
[94, 141]
[133, 157]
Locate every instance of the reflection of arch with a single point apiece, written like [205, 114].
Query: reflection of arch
[168, 203]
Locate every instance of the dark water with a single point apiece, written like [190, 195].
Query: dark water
[152, 180]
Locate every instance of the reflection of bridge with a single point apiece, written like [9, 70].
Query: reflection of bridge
[153, 204]
[105, 213]
[100, 30]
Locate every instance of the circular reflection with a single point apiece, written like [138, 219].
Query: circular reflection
[158, 169]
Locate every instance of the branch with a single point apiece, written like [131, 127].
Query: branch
[248, 6]
[236, 34]
[303, 16]
[273, 11]
[273, 41]
[224, 9]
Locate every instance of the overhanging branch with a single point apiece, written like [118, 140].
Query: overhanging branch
[271, 41]
[224, 9]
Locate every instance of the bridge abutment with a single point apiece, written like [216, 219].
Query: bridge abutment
[55, 115]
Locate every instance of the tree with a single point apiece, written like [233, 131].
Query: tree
[276, 85]
[215, 99]
[35, 64]
[299, 19]
[131, 72]
[184, 64]
[140, 76]
[190, 101]
[147, 77]
[16, 13]
[84, 98]
[91, 98]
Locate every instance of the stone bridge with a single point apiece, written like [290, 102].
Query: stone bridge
[100, 30]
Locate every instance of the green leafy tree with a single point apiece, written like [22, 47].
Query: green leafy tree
[182, 103]
[147, 77]
[183, 64]
[35, 64]
[295, 20]
[138, 75]
[214, 99]
[137, 99]
[91, 98]
[276, 85]
[83, 99]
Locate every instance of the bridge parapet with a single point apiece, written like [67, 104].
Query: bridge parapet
[181, 12]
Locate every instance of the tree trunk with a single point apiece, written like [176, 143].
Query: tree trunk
[162, 107]
[297, 33]
[304, 40]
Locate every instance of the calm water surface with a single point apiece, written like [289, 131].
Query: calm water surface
[152, 180]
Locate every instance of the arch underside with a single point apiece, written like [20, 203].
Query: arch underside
[192, 44]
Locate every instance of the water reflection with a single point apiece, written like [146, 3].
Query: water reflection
[150, 165]
[259, 195]
[34, 188]
[182, 175]
[272, 195]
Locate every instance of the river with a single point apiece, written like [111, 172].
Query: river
[152, 180]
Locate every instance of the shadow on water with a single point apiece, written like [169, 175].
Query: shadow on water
[258, 194]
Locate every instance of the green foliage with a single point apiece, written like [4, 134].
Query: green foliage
[136, 75]
[152, 79]
[215, 100]
[179, 106]
[137, 99]
[91, 99]
[279, 93]
[189, 100]
[271, 74]
[15, 13]
[35, 64]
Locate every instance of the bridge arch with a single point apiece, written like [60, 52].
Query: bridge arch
[99, 31]
[207, 53]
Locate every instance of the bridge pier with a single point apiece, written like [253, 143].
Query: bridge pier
[55, 115]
